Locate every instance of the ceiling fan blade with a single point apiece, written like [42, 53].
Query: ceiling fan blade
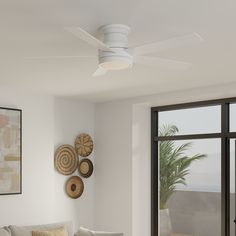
[99, 72]
[182, 41]
[58, 57]
[88, 38]
[165, 63]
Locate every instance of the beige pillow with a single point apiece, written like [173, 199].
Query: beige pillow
[27, 230]
[54, 232]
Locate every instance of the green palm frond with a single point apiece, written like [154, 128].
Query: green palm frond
[174, 164]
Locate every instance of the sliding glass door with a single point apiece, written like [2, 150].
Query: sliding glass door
[193, 169]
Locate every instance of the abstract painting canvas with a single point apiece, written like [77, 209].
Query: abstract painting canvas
[10, 151]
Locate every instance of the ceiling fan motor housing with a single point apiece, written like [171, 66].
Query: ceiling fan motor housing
[115, 35]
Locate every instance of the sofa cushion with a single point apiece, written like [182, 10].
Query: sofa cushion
[54, 232]
[87, 232]
[27, 230]
[4, 231]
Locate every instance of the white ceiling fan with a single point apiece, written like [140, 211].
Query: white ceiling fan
[115, 54]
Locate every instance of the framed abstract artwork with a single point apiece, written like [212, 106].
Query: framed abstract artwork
[10, 151]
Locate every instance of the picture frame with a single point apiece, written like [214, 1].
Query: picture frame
[10, 151]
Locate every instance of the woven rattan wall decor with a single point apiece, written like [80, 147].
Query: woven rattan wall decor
[69, 159]
[85, 168]
[74, 187]
[83, 145]
[66, 160]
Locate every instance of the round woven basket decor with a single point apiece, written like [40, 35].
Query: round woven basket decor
[84, 145]
[74, 187]
[85, 168]
[66, 160]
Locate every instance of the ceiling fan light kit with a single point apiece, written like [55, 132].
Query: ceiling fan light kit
[115, 60]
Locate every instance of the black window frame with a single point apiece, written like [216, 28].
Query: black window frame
[225, 135]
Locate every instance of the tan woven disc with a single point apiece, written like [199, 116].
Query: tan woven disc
[84, 145]
[66, 160]
[74, 187]
[85, 168]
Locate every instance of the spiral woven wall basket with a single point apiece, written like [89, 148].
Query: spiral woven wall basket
[65, 159]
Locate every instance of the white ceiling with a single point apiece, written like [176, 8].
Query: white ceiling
[31, 28]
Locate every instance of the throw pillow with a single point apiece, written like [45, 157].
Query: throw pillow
[27, 230]
[54, 232]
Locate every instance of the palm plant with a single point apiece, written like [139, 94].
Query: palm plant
[174, 164]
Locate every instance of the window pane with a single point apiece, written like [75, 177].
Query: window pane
[193, 120]
[232, 117]
[190, 191]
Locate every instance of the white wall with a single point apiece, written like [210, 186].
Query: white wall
[122, 184]
[141, 171]
[72, 118]
[36, 203]
[113, 137]
[47, 123]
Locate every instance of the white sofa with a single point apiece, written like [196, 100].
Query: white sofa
[13, 230]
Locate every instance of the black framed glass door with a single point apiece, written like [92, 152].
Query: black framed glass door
[193, 169]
